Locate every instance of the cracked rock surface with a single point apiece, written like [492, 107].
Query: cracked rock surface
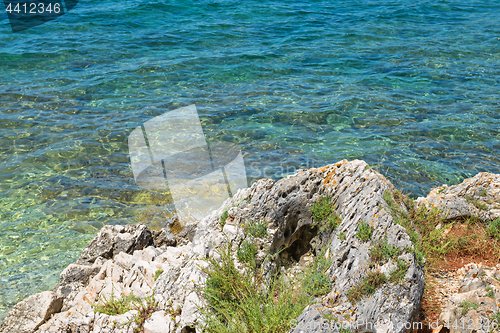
[474, 306]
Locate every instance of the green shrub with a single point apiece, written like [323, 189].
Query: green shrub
[493, 229]
[331, 222]
[144, 311]
[322, 208]
[364, 231]
[246, 252]
[342, 236]
[223, 218]
[323, 214]
[158, 273]
[316, 281]
[382, 251]
[116, 306]
[256, 229]
[496, 317]
[367, 286]
[467, 305]
[398, 274]
[490, 292]
[237, 302]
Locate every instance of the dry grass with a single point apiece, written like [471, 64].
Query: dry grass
[455, 244]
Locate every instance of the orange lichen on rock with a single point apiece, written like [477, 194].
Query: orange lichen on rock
[339, 164]
[323, 169]
[328, 179]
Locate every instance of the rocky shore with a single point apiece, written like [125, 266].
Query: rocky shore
[167, 272]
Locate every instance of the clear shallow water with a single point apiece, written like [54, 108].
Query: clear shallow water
[411, 87]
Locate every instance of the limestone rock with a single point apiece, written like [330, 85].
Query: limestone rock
[109, 242]
[162, 238]
[159, 322]
[357, 194]
[112, 240]
[478, 196]
[30, 313]
[476, 304]
[121, 259]
[73, 279]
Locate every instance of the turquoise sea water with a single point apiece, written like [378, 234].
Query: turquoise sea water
[412, 88]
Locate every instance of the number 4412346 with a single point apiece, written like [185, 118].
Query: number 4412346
[33, 8]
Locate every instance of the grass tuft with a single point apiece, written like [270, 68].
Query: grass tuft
[420, 225]
[478, 204]
[256, 229]
[223, 218]
[496, 317]
[493, 229]
[419, 256]
[364, 231]
[467, 305]
[316, 280]
[324, 215]
[246, 252]
[116, 306]
[236, 302]
[158, 273]
[490, 292]
[367, 286]
[397, 275]
[329, 317]
[382, 251]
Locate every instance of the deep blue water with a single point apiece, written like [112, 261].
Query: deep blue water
[410, 87]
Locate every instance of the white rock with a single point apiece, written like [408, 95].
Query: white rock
[159, 322]
[30, 313]
[190, 312]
